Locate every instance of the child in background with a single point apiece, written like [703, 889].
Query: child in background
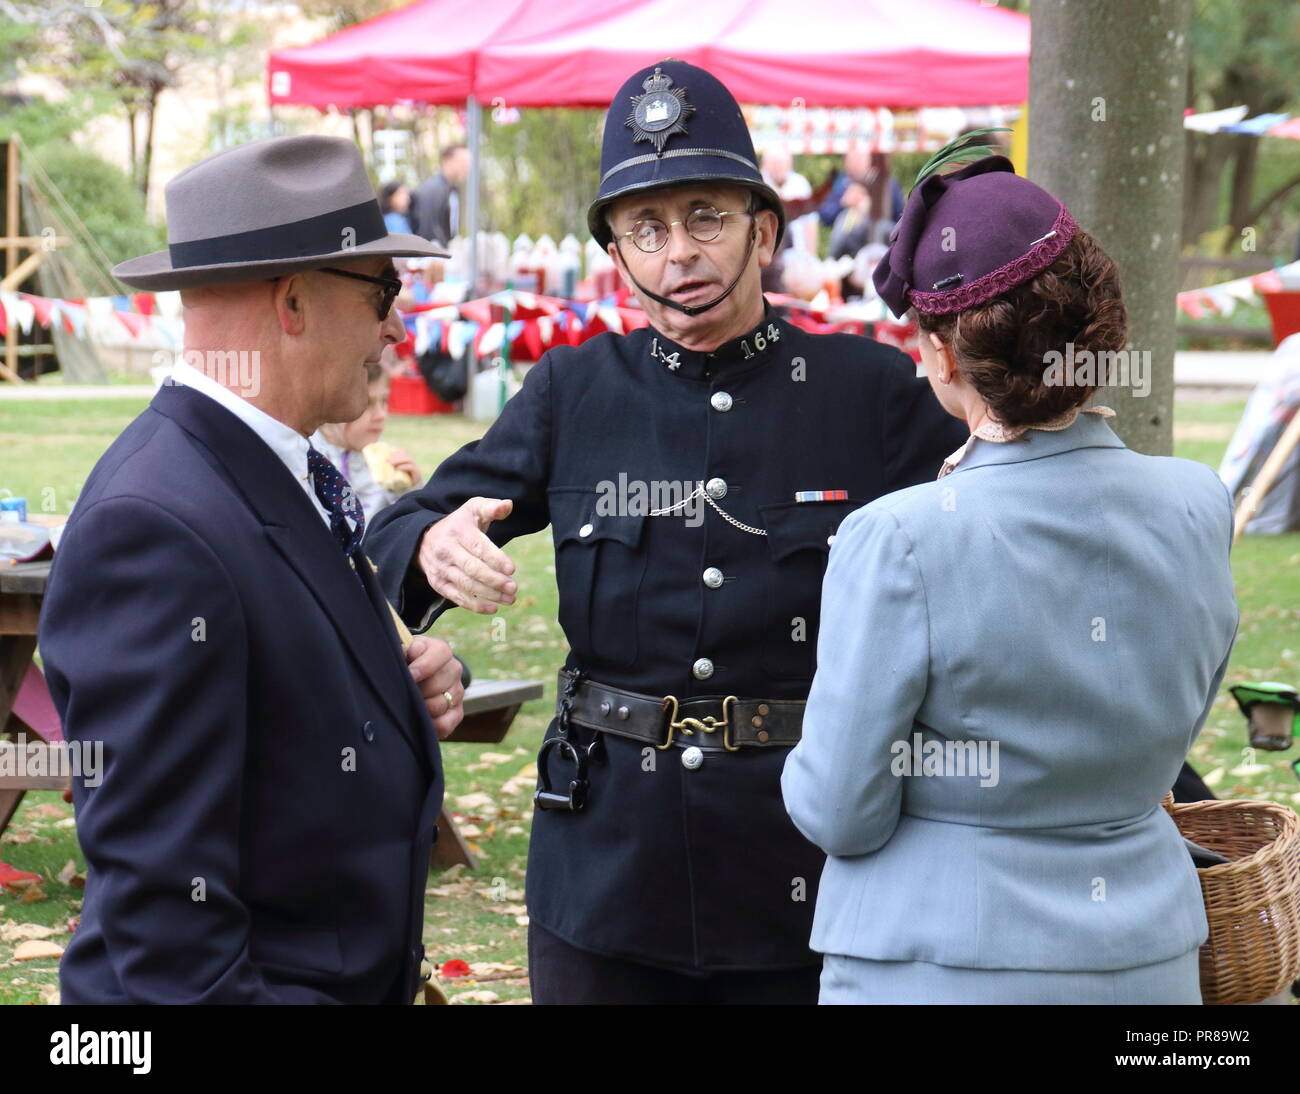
[378, 472]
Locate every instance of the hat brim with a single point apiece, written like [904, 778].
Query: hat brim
[155, 273]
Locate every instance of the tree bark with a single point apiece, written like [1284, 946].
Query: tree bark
[147, 166]
[1107, 87]
[130, 145]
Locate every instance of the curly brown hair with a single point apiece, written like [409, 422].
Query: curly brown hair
[1001, 346]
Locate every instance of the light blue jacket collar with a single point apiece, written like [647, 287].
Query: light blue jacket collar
[1086, 431]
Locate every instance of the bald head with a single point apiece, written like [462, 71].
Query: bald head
[311, 334]
[777, 163]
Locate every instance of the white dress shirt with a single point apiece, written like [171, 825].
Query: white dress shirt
[285, 441]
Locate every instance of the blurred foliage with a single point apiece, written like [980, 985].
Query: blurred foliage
[345, 13]
[541, 171]
[106, 201]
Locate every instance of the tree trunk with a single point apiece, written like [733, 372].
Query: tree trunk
[130, 144]
[1243, 187]
[148, 141]
[1107, 87]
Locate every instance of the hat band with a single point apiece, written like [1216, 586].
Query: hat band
[673, 154]
[327, 233]
[1005, 277]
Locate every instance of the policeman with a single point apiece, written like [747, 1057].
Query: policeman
[694, 474]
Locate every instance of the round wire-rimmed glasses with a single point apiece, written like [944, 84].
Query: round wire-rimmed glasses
[703, 225]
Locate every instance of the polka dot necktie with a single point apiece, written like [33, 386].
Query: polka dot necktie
[338, 497]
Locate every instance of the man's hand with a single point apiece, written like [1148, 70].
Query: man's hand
[437, 674]
[462, 564]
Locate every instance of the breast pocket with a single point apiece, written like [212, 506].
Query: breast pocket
[599, 565]
[799, 538]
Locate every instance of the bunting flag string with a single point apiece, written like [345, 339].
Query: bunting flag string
[537, 323]
[1223, 298]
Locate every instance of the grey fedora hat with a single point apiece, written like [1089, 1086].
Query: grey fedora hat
[268, 208]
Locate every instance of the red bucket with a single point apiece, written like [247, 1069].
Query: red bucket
[411, 395]
[1284, 310]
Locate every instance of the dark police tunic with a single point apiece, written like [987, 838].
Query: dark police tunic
[689, 869]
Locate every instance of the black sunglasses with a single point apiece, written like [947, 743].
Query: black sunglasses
[391, 286]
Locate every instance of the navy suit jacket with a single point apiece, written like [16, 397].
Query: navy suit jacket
[271, 777]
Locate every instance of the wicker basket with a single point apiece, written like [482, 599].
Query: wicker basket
[1253, 902]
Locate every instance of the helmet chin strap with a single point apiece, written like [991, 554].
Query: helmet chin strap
[687, 309]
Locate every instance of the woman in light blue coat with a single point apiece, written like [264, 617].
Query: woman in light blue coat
[1015, 659]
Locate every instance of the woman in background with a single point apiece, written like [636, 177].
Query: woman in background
[1015, 659]
[395, 204]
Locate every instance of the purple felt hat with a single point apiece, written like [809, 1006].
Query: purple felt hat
[969, 236]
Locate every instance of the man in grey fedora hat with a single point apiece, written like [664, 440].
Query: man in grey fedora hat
[261, 824]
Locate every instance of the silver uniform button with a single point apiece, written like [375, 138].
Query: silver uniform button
[713, 577]
[720, 400]
[702, 669]
[585, 530]
[692, 758]
[830, 541]
[717, 488]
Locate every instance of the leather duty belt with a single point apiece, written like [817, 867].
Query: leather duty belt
[712, 724]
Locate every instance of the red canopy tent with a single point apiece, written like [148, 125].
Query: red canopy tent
[576, 53]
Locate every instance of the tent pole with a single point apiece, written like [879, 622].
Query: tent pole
[475, 124]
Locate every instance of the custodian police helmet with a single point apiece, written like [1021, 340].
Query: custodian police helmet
[674, 123]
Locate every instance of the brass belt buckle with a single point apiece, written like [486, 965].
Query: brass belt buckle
[708, 724]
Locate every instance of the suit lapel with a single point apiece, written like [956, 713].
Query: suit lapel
[296, 530]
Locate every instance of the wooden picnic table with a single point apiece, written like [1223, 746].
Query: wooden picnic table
[490, 705]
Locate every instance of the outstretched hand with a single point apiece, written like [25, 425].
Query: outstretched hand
[462, 564]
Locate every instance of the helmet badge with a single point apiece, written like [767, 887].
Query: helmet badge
[660, 113]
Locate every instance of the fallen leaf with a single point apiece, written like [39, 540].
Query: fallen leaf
[460, 889]
[18, 835]
[47, 809]
[475, 997]
[69, 875]
[50, 995]
[471, 831]
[32, 894]
[453, 969]
[67, 822]
[495, 757]
[20, 932]
[474, 802]
[1214, 777]
[35, 949]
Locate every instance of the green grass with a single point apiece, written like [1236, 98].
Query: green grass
[47, 448]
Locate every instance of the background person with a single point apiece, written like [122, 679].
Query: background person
[435, 204]
[395, 203]
[378, 473]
